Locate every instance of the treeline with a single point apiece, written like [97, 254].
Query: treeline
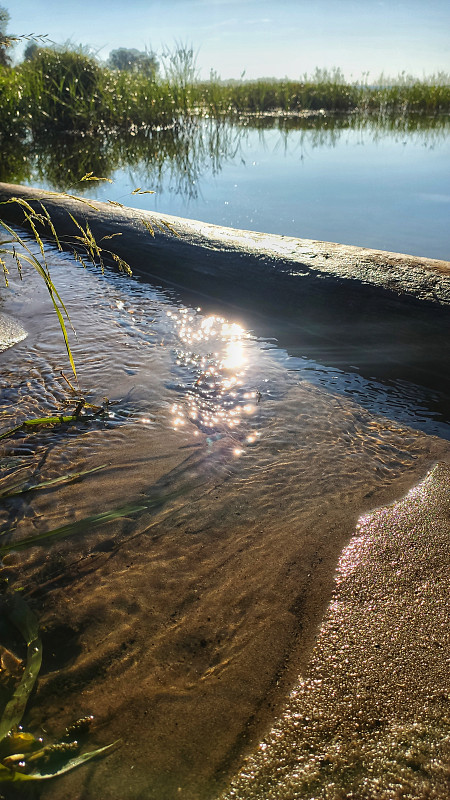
[68, 90]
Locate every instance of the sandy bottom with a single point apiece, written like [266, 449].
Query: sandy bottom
[183, 626]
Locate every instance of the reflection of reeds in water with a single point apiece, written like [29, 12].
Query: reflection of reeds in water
[176, 158]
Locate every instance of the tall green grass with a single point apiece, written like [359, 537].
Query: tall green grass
[13, 119]
[68, 90]
[61, 90]
[329, 92]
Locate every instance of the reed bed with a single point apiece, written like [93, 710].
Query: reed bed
[68, 90]
[328, 96]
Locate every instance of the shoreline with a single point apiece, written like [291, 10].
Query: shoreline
[368, 718]
[397, 272]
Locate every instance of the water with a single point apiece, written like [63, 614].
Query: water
[182, 626]
[376, 183]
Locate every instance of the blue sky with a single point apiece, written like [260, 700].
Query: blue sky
[266, 38]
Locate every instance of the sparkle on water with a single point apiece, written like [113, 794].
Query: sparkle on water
[213, 363]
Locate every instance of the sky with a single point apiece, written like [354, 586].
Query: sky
[260, 38]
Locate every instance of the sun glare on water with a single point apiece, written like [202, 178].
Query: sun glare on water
[213, 361]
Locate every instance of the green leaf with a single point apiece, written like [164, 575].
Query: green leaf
[9, 775]
[24, 619]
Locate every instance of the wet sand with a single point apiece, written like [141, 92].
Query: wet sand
[369, 717]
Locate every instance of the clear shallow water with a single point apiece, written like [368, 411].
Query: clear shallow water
[381, 184]
[178, 623]
[354, 188]
[165, 366]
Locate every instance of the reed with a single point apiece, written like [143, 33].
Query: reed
[69, 90]
[13, 118]
[61, 90]
[329, 91]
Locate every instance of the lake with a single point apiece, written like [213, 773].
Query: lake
[376, 183]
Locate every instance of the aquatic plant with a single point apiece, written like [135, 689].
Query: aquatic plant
[72, 528]
[67, 89]
[328, 91]
[61, 90]
[24, 757]
[78, 415]
[21, 488]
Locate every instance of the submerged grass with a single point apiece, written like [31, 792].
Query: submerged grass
[23, 757]
[23, 488]
[63, 531]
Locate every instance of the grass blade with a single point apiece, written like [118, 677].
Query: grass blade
[14, 491]
[71, 197]
[31, 423]
[9, 775]
[75, 762]
[64, 333]
[92, 521]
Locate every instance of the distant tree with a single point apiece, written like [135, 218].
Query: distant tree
[5, 42]
[132, 60]
[123, 59]
[30, 51]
